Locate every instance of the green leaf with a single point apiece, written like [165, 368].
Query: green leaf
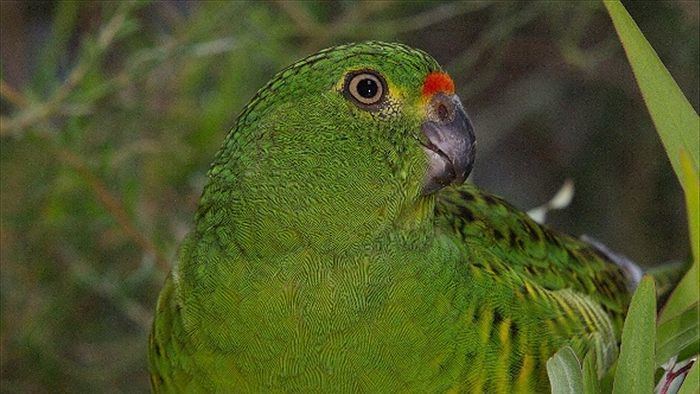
[691, 384]
[691, 180]
[678, 126]
[564, 372]
[687, 291]
[591, 385]
[677, 334]
[635, 368]
[674, 117]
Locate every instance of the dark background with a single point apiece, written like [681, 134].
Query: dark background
[111, 113]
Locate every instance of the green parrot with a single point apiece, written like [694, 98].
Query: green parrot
[336, 248]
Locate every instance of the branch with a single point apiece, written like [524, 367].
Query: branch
[114, 206]
[131, 308]
[11, 95]
[35, 114]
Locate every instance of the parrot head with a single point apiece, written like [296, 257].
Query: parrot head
[340, 145]
[450, 136]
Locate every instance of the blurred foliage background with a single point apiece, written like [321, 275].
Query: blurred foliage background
[112, 111]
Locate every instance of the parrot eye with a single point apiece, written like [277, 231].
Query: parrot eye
[366, 88]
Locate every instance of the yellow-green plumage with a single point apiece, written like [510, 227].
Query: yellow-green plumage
[319, 262]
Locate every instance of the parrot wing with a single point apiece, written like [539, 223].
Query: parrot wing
[556, 289]
[549, 259]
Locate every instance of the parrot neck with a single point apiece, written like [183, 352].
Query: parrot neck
[271, 226]
[417, 217]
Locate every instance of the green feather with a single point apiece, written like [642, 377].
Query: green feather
[317, 264]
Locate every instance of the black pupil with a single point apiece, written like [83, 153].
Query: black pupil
[367, 88]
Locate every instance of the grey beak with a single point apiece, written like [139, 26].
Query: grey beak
[450, 143]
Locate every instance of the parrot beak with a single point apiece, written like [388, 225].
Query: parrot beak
[449, 142]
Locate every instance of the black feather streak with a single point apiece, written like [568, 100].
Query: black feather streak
[466, 213]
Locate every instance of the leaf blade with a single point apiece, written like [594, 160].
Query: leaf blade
[635, 369]
[677, 334]
[675, 119]
[691, 384]
[687, 292]
[591, 384]
[564, 372]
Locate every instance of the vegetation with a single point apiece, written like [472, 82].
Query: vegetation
[111, 113]
[677, 334]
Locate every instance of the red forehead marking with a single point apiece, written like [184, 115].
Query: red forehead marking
[438, 82]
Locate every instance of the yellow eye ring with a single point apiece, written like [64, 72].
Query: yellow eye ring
[366, 88]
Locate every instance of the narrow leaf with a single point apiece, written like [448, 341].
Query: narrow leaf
[591, 385]
[564, 372]
[691, 180]
[674, 117]
[678, 126]
[677, 334]
[635, 368]
[691, 384]
[687, 291]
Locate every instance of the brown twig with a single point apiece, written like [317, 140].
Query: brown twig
[351, 18]
[304, 22]
[131, 308]
[434, 16]
[318, 35]
[114, 206]
[492, 37]
[35, 114]
[11, 95]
